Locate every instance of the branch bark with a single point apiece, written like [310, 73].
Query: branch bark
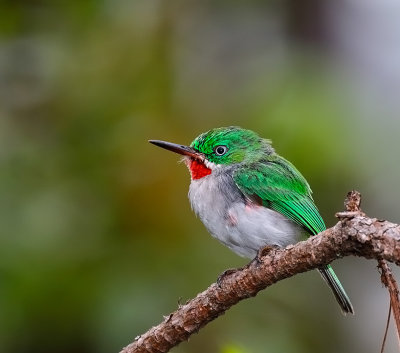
[355, 234]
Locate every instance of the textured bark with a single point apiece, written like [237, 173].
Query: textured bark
[355, 234]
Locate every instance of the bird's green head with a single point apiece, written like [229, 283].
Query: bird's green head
[222, 146]
[230, 145]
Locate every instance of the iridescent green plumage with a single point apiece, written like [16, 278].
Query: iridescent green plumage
[241, 145]
[282, 188]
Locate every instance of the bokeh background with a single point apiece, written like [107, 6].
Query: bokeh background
[97, 239]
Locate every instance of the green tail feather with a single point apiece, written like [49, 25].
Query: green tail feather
[333, 282]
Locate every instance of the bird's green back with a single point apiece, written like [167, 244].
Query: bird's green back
[282, 188]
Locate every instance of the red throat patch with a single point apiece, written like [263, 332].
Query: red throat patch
[198, 169]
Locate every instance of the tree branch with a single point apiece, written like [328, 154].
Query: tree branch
[354, 234]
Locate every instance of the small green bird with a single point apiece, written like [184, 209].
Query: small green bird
[249, 197]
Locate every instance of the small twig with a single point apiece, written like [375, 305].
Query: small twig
[348, 214]
[386, 328]
[390, 283]
[352, 204]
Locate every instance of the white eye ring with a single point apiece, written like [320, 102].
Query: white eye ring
[220, 150]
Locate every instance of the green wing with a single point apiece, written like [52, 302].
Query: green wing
[281, 187]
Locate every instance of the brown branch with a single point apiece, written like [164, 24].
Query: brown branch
[386, 328]
[391, 284]
[355, 234]
[353, 204]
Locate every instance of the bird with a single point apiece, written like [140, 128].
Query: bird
[249, 197]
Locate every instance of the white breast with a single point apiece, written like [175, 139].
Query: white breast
[243, 227]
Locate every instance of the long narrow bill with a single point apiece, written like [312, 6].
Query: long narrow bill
[180, 149]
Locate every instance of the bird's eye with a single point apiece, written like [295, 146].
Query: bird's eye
[220, 150]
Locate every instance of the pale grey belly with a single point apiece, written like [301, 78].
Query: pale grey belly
[243, 228]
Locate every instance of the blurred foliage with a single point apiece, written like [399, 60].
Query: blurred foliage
[232, 349]
[97, 239]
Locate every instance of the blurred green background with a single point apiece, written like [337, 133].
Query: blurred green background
[97, 239]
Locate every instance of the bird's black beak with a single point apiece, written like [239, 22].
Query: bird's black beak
[180, 149]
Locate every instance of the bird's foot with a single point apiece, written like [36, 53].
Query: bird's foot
[266, 250]
[222, 276]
